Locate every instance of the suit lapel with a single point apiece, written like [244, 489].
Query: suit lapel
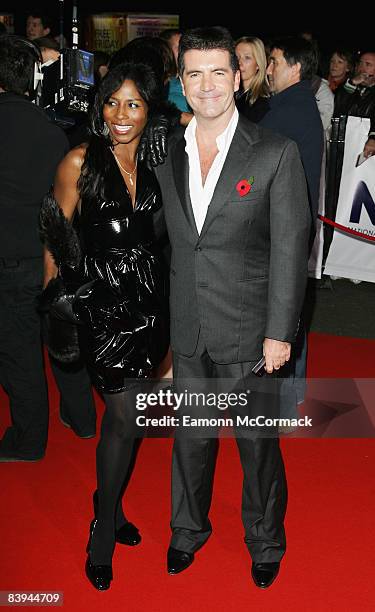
[180, 165]
[237, 160]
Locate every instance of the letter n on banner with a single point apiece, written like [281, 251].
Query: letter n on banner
[348, 256]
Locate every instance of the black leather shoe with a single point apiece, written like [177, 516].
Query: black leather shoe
[178, 560]
[264, 573]
[128, 534]
[100, 576]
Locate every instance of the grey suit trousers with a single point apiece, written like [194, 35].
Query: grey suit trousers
[264, 494]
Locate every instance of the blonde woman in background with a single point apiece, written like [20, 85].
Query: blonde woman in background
[252, 98]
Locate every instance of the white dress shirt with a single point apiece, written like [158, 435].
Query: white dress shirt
[201, 195]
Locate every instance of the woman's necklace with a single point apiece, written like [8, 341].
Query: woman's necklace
[130, 174]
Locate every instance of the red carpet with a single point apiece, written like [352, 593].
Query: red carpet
[46, 510]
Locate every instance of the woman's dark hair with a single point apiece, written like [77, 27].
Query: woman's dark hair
[101, 58]
[150, 50]
[168, 33]
[95, 166]
[170, 66]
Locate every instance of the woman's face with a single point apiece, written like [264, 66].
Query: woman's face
[248, 65]
[338, 67]
[125, 113]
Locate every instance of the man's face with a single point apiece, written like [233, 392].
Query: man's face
[35, 28]
[366, 69]
[280, 74]
[209, 82]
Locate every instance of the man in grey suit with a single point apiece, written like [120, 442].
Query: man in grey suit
[236, 208]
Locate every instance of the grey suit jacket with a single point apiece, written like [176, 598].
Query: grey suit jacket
[244, 277]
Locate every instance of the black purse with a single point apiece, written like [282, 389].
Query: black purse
[55, 304]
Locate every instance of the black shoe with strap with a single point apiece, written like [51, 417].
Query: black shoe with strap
[100, 576]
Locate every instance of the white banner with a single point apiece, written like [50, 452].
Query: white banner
[316, 255]
[351, 257]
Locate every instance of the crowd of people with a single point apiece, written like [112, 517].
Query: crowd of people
[184, 217]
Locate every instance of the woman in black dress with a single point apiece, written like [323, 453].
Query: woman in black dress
[124, 331]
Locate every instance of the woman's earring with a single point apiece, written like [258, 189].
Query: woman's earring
[105, 130]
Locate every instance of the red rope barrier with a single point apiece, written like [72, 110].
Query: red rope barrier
[346, 230]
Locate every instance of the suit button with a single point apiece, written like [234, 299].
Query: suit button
[198, 248]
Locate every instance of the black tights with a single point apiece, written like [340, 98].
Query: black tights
[114, 461]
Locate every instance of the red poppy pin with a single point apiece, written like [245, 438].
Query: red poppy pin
[243, 187]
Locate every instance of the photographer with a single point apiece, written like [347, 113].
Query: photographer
[31, 148]
[357, 97]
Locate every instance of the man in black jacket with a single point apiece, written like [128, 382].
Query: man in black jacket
[293, 110]
[31, 148]
[294, 113]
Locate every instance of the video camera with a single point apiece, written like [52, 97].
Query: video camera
[67, 82]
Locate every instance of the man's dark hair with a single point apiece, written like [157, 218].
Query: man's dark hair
[298, 50]
[45, 20]
[207, 39]
[46, 42]
[17, 60]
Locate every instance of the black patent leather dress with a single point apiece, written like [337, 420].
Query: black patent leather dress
[125, 331]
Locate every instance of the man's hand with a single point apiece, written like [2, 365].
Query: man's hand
[369, 148]
[359, 79]
[276, 353]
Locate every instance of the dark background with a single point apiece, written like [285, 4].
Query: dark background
[351, 27]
